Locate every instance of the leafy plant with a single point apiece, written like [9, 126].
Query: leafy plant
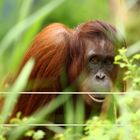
[133, 71]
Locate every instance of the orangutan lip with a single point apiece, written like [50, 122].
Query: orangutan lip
[96, 98]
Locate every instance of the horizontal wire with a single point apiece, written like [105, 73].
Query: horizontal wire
[134, 92]
[54, 125]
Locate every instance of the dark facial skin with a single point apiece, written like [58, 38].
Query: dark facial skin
[99, 67]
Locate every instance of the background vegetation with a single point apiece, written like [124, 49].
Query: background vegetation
[21, 20]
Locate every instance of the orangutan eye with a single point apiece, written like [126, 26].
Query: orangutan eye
[94, 60]
[109, 61]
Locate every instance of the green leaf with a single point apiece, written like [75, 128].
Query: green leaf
[118, 57]
[137, 56]
[29, 133]
[38, 135]
[122, 65]
[122, 51]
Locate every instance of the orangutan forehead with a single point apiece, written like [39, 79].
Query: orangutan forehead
[100, 46]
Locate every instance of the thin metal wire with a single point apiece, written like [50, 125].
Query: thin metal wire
[110, 93]
[59, 125]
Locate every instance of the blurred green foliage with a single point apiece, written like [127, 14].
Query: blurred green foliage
[71, 12]
[74, 12]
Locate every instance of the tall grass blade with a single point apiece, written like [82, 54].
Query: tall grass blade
[18, 86]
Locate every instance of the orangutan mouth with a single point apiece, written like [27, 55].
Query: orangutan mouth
[99, 98]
